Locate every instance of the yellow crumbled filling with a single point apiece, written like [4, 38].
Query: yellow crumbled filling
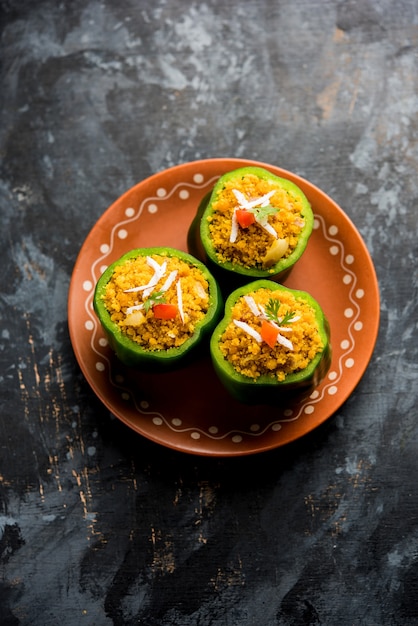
[140, 324]
[253, 243]
[254, 359]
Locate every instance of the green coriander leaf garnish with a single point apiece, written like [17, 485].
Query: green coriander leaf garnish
[158, 297]
[287, 318]
[262, 212]
[272, 312]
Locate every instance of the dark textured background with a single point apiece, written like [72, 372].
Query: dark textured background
[101, 527]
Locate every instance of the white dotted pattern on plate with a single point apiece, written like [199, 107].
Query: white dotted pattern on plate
[329, 386]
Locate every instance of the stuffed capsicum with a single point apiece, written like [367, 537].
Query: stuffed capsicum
[156, 306]
[272, 343]
[253, 224]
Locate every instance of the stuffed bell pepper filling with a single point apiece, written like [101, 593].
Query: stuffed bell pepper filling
[157, 301]
[158, 307]
[255, 221]
[271, 333]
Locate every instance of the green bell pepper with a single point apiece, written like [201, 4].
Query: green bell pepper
[132, 353]
[274, 371]
[250, 249]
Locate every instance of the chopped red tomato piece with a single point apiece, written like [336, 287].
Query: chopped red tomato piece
[269, 333]
[164, 311]
[245, 218]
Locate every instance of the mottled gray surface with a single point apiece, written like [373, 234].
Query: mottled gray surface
[100, 527]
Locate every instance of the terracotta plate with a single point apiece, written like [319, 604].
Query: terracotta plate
[188, 410]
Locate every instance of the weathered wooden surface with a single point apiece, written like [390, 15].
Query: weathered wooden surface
[99, 526]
